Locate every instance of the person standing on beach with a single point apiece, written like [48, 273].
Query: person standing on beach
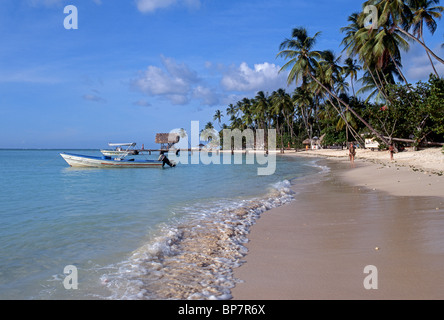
[391, 151]
[352, 154]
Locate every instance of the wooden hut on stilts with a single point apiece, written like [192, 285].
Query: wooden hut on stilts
[167, 140]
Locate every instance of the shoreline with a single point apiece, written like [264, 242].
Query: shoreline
[386, 214]
[429, 160]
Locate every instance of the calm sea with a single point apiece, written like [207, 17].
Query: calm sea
[173, 233]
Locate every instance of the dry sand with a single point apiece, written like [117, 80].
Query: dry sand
[386, 214]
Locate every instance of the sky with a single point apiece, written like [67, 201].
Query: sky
[134, 68]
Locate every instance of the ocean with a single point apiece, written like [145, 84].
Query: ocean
[142, 233]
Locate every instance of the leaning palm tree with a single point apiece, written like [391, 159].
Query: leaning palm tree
[378, 49]
[302, 59]
[387, 45]
[347, 121]
[398, 15]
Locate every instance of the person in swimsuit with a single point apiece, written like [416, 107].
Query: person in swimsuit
[352, 154]
[391, 151]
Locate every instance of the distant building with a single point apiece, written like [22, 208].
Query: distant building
[313, 144]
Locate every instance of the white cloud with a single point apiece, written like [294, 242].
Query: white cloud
[208, 96]
[261, 77]
[416, 64]
[180, 85]
[174, 82]
[149, 6]
[181, 71]
[155, 81]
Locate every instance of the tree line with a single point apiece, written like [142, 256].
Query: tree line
[325, 101]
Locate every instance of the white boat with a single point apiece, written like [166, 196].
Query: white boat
[120, 149]
[78, 160]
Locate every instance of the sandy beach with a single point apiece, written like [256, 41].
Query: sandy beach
[388, 215]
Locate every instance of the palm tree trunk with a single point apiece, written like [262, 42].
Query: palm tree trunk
[397, 68]
[347, 125]
[280, 133]
[421, 43]
[381, 83]
[353, 87]
[351, 110]
[381, 89]
[430, 59]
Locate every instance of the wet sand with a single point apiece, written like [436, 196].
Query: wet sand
[318, 246]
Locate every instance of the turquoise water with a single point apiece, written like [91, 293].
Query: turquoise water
[131, 233]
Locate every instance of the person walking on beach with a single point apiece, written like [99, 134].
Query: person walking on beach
[352, 154]
[391, 150]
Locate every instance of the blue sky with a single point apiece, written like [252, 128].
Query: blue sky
[137, 67]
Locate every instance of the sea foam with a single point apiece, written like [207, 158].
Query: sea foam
[194, 257]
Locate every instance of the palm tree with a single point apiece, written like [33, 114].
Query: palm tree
[303, 101]
[387, 45]
[245, 105]
[331, 69]
[299, 51]
[351, 30]
[261, 106]
[397, 15]
[282, 103]
[302, 60]
[423, 12]
[377, 49]
[231, 110]
[260, 109]
[276, 113]
[346, 121]
[209, 126]
[218, 116]
[351, 70]
[183, 134]
[208, 132]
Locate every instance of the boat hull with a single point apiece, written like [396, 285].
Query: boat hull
[82, 161]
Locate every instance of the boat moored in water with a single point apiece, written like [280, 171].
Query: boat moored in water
[77, 160]
[120, 150]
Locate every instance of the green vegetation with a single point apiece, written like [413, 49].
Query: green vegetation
[386, 106]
